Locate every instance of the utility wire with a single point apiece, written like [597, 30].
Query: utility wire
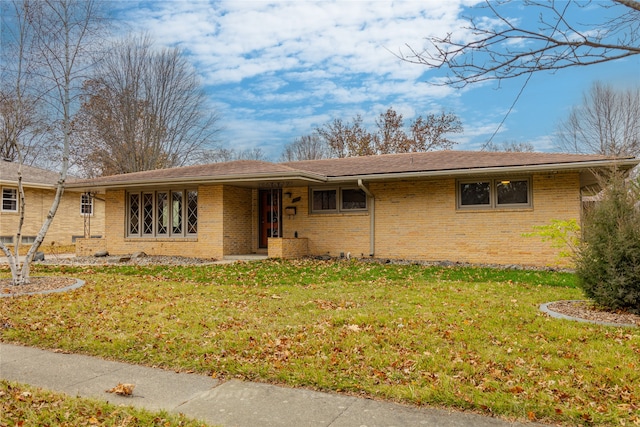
[524, 85]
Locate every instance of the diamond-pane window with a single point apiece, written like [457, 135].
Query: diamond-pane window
[176, 212]
[147, 216]
[163, 213]
[134, 214]
[192, 212]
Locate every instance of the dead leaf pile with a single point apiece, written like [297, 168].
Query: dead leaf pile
[122, 389]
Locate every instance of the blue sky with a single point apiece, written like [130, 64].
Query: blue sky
[276, 70]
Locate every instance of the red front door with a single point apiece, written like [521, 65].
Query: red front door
[270, 217]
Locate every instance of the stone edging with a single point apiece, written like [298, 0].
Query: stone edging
[545, 309]
[79, 283]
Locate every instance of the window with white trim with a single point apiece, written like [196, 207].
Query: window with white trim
[340, 199]
[10, 200]
[164, 213]
[86, 204]
[494, 193]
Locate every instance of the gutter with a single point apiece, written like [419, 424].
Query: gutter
[372, 218]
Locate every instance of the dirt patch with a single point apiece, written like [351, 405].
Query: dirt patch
[38, 284]
[587, 311]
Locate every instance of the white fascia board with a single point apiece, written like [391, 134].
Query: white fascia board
[497, 170]
[25, 185]
[227, 179]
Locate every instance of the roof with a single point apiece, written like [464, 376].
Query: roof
[390, 166]
[31, 176]
[439, 162]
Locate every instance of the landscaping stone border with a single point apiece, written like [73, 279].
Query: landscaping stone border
[79, 283]
[545, 309]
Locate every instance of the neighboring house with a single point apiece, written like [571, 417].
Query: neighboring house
[78, 214]
[435, 206]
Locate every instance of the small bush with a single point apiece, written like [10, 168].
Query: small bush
[608, 262]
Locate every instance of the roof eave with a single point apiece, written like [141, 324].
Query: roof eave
[597, 164]
[227, 179]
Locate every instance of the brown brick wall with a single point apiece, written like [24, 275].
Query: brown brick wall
[415, 220]
[67, 222]
[221, 231]
[288, 248]
[328, 234]
[238, 218]
[418, 220]
[89, 247]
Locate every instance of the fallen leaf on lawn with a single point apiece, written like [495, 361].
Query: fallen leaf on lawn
[122, 389]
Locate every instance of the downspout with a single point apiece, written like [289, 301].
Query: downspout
[372, 218]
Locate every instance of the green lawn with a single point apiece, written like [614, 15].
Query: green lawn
[464, 338]
[21, 405]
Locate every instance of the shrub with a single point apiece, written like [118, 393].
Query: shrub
[608, 261]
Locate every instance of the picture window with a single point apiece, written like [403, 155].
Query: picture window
[162, 213]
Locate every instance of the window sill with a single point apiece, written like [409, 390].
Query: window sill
[494, 210]
[338, 214]
[161, 239]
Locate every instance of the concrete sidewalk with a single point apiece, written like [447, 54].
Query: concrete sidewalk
[230, 403]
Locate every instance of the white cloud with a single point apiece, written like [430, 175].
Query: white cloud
[279, 69]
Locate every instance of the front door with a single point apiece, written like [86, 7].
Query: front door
[270, 217]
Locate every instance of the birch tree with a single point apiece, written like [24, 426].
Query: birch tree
[54, 42]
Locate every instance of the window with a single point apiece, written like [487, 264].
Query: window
[353, 199]
[512, 192]
[338, 200]
[7, 240]
[162, 213]
[475, 193]
[28, 240]
[494, 193]
[10, 200]
[86, 204]
[324, 200]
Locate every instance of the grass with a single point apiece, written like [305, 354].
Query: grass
[22, 405]
[466, 338]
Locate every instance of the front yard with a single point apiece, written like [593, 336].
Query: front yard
[456, 337]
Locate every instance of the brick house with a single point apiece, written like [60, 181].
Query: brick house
[78, 212]
[444, 205]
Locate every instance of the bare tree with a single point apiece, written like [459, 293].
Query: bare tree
[22, 123]
[511, 147]
[143, 109]
[390, 136]
[430, 133]
[339, 136]
[607, 122]
[308, 147]
[57, 35]
[424, 134]
[504, 47]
